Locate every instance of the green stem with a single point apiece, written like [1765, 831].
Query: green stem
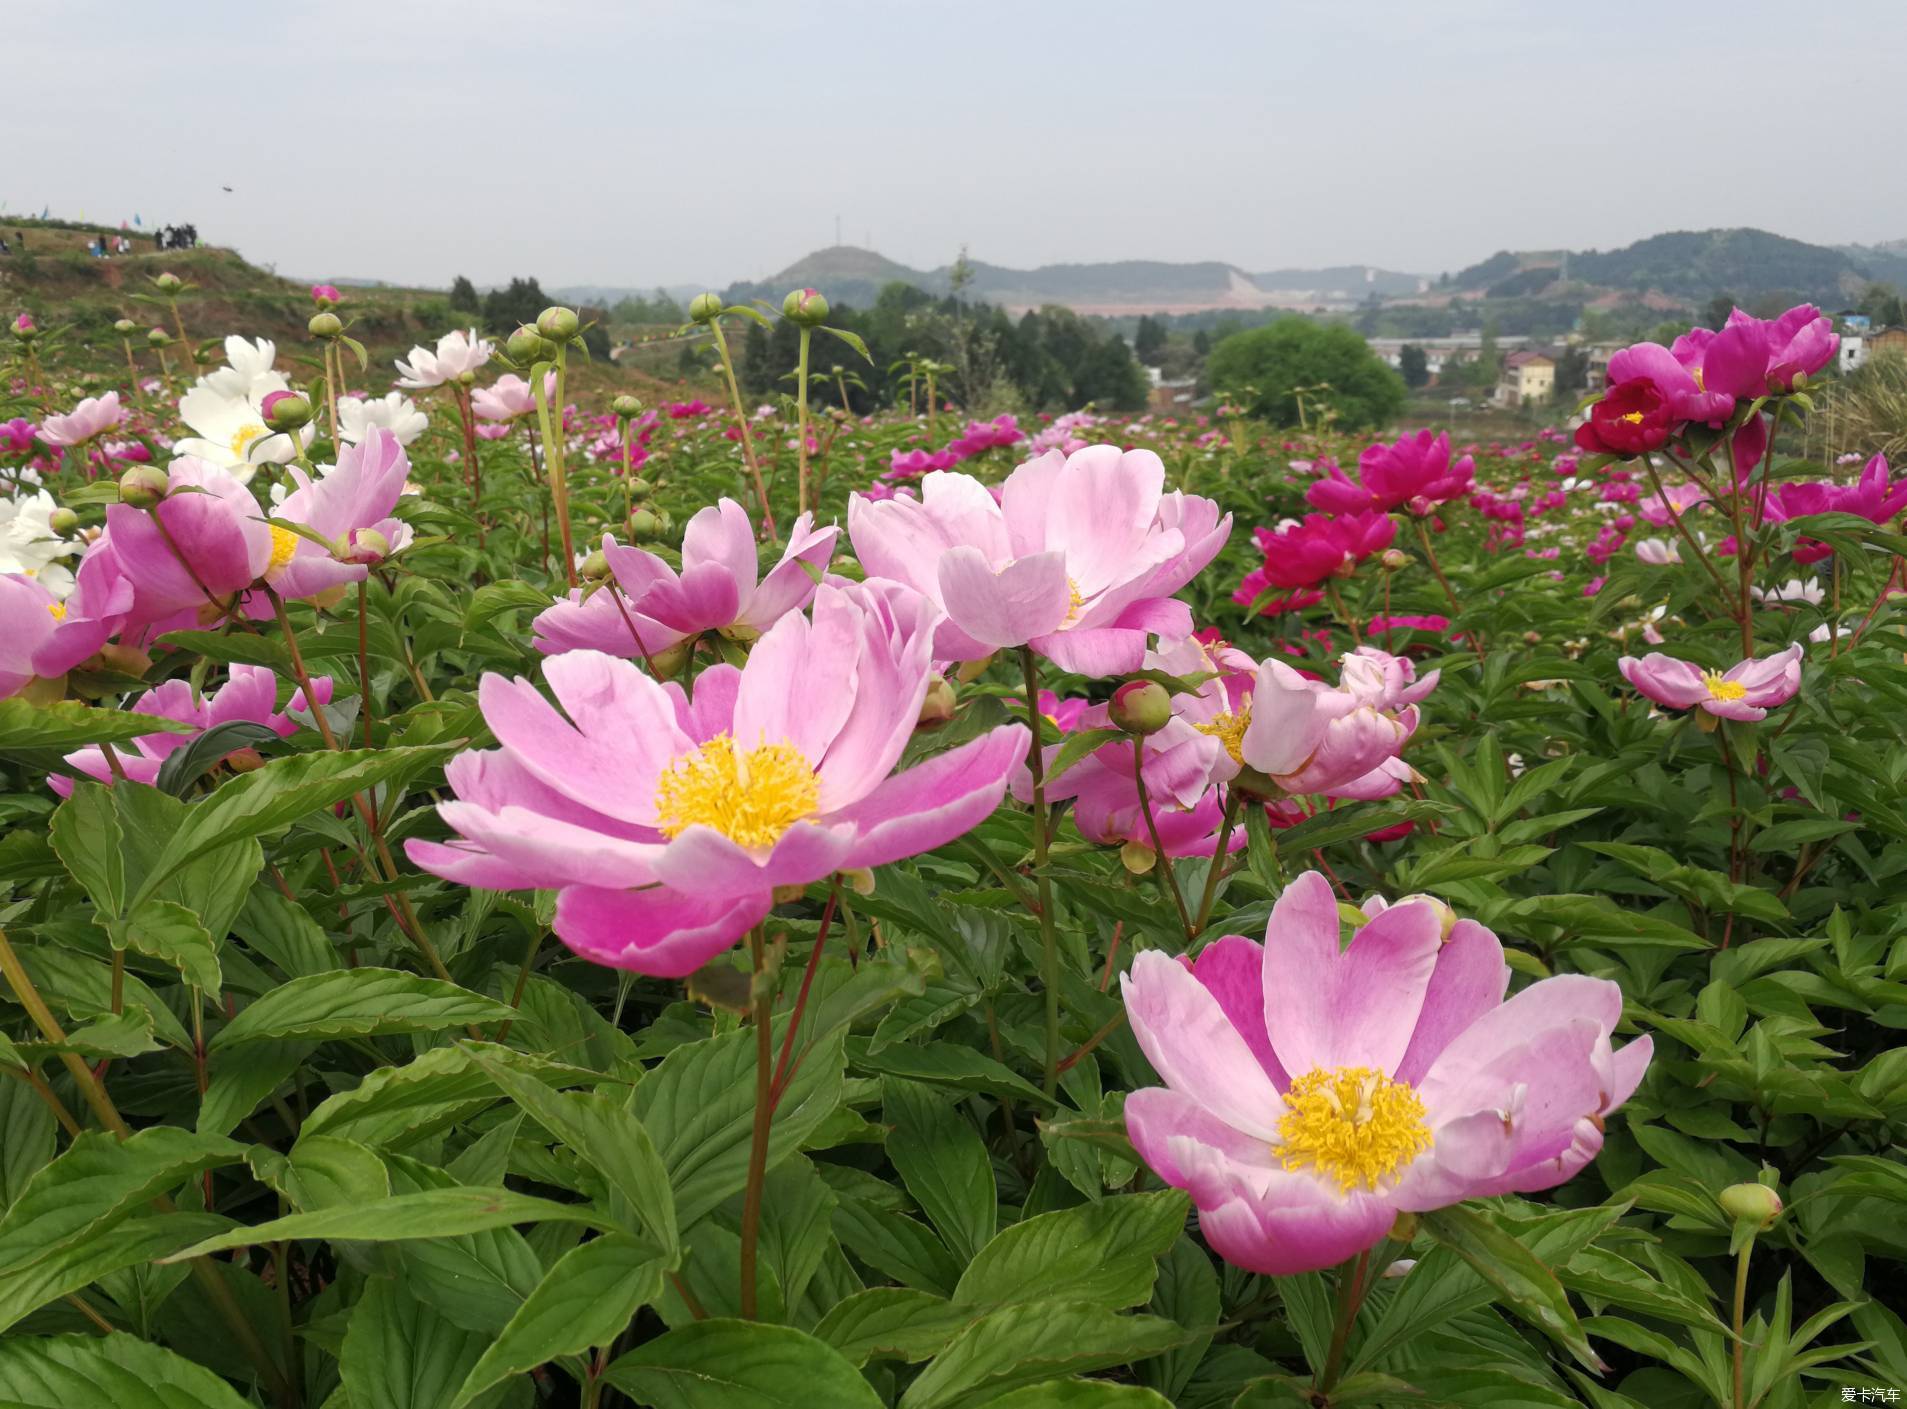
[1213, 876]
[1350, 1297]
[741, 422]
[1741, 1307]
[1163, 861]
[801, 408]
[1049, 939]
[1430, 556]
[764, 1117]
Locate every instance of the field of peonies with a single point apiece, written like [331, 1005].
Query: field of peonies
[511, 901]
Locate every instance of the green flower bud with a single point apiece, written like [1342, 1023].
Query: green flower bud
[645, 526]
[626, 406]
[143, 486]
[1391, 559]
[1141, 707]
[527, 345]
[669, 661]
[558, 324]
[1756, 1203]
[640, 488]
[62, 521]
[805, 307]
[595, 567]
[124, 325]
[158, 337]
[168, 283]
[324, 325]
[705, 308]
[285, 410]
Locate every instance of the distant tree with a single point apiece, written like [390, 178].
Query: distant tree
[758, 372]
[595, 335]
[1715, 312]
[1413, 366]
[1109, 376]
[1265, 368]
[463, 296]
[1572, 370]
[1148, 340]
[506, 308]
[1202, 342]
[1882, 303]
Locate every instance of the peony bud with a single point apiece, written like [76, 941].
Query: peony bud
[158, 337]
[526, 344]
[558, 324]
[859, 879]
[627, 407]
[62, 521]
[805, 307]
[25, 328]
[1446, 917]
[594, 567]
[245, 760]
[1138, 858]
[143, 486]
[1141, 707]
[284, 410]
[168, 283]
[324, 325]
[366, 546]
[645, 526]
[639, 488]
[668, 662]
[938, 705]
[326, 295]
[1392, 559]
[1754, 1203]
[124, 325]
[705, 308]
[127, 660]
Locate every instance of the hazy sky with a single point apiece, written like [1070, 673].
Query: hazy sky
[670, 141]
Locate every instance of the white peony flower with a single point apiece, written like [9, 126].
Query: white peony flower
[30, 547]
[457, 352]
[395, 412]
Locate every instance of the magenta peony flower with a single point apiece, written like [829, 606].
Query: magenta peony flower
[653, 606]
[251, 694]
[1746, 691]
[1323, 546]
[665, 820]
[92, 418]
[16, 436]
[326, 295]
[1079, 558]
[214, 543]
[1311, 1094]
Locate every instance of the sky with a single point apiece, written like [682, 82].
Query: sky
[663, 142]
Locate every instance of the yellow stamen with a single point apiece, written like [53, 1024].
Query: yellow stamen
[1634, 418]
[1074, 602]
[242, 439]
[1720, 689]
[1700, 385]
[1229, 729]
[56, 610]
[284, 543]
[1353, 1125]
[750, 798]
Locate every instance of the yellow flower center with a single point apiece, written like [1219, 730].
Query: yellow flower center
[56, 610]
[1700, 385]
[1354, 1125]
[750, 798]
[284, 543]
[242, 439]
[1074, 601]
[1720, 689]
[1229, 729]
[1634, 418]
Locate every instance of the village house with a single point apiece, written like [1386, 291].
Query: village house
[1528, 377]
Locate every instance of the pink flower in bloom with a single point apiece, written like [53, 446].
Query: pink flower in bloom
[652, 606]
[250, 695]
[1746, 691]
[24, 323]
[16, 436]
[665, 821]
[1079, 558]
[28, 614]
[215, 542]
[1312, 1093]
[1310, 738]
[93, 417]
[1416, 471]
[1324, 545]
[510, 398]
[355, 495]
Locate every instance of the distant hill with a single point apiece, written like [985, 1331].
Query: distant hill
[609, 295]
[1696, 265]
[856, 276]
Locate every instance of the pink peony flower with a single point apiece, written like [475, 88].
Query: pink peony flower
[665, 821]
[93, 417]
[347, 499]
[1310, 738]
[28, 614]
[1746, 691]
[510, 398]
[251, 694]
[457, 352]
[214, 543]
[1311, 1093]
[16, 436]
[326, 295]
[652, 606]
[1079, 558]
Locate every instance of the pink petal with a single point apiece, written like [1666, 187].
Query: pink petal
[659, 932]
[1194, 1047]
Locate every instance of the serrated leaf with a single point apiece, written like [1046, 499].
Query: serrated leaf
[727, 1364]
[359, 1003]
[61, 1372]
[430, 1213]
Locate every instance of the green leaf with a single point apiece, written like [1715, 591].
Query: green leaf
[359, 1003]
[120, 1370]
[1022, 1345]
[279, 794]
[85, 833]
[68, 724]
[944, 1163]
[172, 934]
[961, 1068]
[400, 1353]
[1080, 1394]
[608, 1138]
[130, 1242]
[724, 1364]
[1106, 1253]
[99, 1180]
[893, 1323]
[699, 1108]
[587, 1299]
[1523, 1282]
[186, 764]
[445, 1086]
[431, 1213]
[1078, 745]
